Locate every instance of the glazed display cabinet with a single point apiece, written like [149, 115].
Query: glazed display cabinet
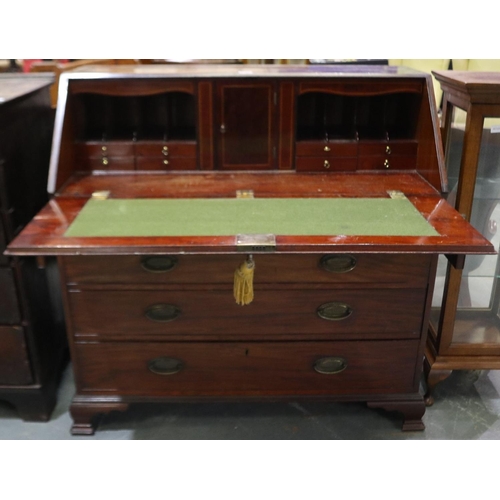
[465, 318]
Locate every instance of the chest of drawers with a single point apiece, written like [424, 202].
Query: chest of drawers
[33, 348]
[339, 313]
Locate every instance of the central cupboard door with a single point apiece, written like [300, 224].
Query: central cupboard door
[246, 126]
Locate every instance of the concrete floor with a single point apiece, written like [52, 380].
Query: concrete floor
[467, 407]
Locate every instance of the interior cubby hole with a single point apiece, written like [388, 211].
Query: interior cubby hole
[165, 116]
[323, 116]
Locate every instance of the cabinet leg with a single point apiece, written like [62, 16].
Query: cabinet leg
[434, 377]
[85, 416]
[412, 411]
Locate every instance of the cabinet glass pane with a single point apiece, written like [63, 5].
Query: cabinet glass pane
[478, 314]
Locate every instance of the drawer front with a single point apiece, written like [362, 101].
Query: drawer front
[14, 360]
[411, 270]
[111, 163]
[387, 149]
[9, 306]
[387, 163]
[98, 150]
[325, 164]
[166, 149]
[253, 369]
[3, 243]
[165, 163]
[323, 149]
[379, 313]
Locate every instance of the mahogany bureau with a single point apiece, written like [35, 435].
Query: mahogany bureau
[173, 185]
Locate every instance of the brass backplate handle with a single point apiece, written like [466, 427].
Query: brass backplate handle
[162, 313]
[338, 263]
[330, 366]
[165, 366]
[334, 311]
[158, 263]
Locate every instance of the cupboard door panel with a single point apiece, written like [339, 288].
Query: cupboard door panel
[246, 126]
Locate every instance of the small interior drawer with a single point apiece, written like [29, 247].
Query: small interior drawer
[165, 163]
[323, 148]
[325, 164]
[166, 149]
[105, 149]
[391, 162]
[380, 148]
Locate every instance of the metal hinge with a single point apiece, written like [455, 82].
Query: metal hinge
[397, 195]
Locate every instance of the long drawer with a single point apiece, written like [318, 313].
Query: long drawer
[410, 270]
[341, 313]
[247, 369]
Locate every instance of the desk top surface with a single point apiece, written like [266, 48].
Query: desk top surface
[46, 234]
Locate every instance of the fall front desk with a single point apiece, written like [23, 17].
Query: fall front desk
[312, 192]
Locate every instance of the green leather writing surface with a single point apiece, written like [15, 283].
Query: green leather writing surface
[227, 217]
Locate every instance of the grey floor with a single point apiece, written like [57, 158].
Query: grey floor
[467, 407]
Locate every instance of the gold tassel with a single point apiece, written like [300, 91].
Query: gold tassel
[243, 282]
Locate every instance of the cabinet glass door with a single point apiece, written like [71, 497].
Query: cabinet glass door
[477, 318]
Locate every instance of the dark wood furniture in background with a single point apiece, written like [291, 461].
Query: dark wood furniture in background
[463, 336]
[32, 339]
[337, 316]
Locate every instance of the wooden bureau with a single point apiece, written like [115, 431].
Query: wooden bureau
[342, 288]
[33, 348]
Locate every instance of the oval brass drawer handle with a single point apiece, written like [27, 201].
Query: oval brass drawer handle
[334, 311]
[165, 366]
[158, 263]
[330, 366]
[338, 263]
[162, 313]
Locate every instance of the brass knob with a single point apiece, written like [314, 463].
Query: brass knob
[223, 129]
[165, 148]
[386, 164]
[388, 150]
[165, 366]
[105, 161]
[326, 148]
[326, 164]
[165, 162]
[165, 151]
[104, 148]
[330, 366]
